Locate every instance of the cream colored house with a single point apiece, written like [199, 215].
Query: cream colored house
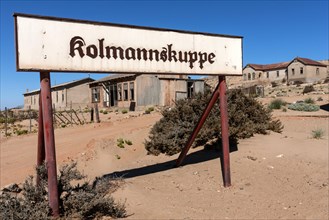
[306, 70]
[297, 70]
[75, 94]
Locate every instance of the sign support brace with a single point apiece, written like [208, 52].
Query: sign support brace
[219, 92]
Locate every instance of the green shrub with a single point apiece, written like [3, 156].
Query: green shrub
[21, 132]
[76, 200]
[319, 99]
[246, 118]
[128, 142]
[277, 104]
[304, 107]
[105, 112]
[120, 143]
[317, 133]
[101, 111]
[309, 101]
[147, 111]
[284, 109]
[151, 109]
[124, 111]
[10, 120]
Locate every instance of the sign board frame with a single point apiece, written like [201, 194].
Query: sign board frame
[46, 139]
[68, 45]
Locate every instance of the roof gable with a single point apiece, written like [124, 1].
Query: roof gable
[307, 61]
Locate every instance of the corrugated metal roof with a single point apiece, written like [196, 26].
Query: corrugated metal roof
[66, 84]
[284, 65]
[113, 77]
[307, 61]
[267, 67]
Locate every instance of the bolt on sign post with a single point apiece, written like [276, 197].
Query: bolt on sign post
[49, 44]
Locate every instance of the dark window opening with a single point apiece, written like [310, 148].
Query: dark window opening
[267, 75]
[293, 71]
[317, 71]
[277, 74]
[253, 75]
[190, 90]
[113, 95]
[132, 91]
[301, 70]
[56, 96]
[249, 76]
[95, 95]
[63, 96]
[125, 91]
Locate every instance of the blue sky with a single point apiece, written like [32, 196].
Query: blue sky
[273, 31]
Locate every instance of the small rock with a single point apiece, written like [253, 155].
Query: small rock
[196, 173]
[270, 167]
[279, 156]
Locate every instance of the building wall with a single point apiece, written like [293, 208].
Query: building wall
[248, 71]
[276, 75]
[172, 90]
[315, 73]
[126, 103]
[62, 98]
[309, 72]
[31, 101]
[147, 90]
[199, 86]
[79, 96]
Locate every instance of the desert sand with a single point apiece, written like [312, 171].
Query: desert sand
[274, 176]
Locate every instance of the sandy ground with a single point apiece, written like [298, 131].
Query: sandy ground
[275, 176]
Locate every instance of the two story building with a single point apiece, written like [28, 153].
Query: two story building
[297, 70]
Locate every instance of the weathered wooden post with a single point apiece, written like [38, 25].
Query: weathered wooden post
[30, 119]
[6, 121]
[96, 113]
[91, 114]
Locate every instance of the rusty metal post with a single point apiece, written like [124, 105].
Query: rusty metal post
[198, 126]
[41, 140]
[30, 117]
[225, 134]
[49, 138]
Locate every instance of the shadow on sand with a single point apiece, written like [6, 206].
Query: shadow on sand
[192, 158]
[325, 107]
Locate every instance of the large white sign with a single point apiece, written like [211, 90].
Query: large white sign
[54, 44]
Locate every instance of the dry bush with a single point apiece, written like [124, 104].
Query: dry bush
[246, 117]
[308, 88]
[82, 200]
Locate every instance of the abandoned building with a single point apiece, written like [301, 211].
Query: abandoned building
[298, 70]
[139, 90]
[74, 94]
